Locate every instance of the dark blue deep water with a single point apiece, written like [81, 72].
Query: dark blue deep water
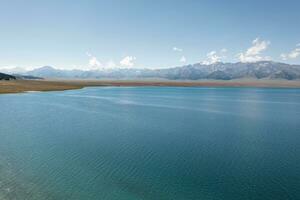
[151, 143]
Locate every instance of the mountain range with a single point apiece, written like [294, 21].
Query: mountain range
[216, 71]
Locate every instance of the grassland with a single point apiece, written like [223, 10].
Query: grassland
[17, 86]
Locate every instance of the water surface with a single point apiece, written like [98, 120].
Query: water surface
[152, 143]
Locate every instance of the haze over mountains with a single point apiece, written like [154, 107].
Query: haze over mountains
[216, 71]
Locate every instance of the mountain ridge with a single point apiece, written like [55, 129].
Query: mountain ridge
[197, 71]
[6, 77]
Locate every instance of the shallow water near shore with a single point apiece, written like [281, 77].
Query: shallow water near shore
[127, 143]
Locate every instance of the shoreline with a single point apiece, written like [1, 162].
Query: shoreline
[19, 86]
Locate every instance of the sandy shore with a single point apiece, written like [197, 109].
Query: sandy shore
[16, 86]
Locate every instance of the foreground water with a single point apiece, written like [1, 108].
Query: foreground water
[151, 143]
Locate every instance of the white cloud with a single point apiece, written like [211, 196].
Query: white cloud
[283, 56]
[14, 69]
[128, 61]
[223, 50]
[214, 57]
[295, 53]
[95, 64]
[291, 55]
[182, 59]
[111, 64]
[93, 61]
[253, 54]
[177, 49]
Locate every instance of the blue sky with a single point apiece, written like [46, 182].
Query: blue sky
[134, 33]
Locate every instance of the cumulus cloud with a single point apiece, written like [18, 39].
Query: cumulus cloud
[214, 57]
[182, 59]
[128, 61]
[253, 54]
[292, 54]
[93, 61]
[177, 49]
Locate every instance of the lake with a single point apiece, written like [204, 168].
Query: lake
[151, 143]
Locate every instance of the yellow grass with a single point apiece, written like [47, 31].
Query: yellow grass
[16, 86]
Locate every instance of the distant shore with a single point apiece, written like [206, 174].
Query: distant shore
[17, 86]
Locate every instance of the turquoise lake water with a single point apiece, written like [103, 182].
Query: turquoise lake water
[151, 143]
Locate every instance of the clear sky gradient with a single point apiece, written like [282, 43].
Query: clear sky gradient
[134, 33]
